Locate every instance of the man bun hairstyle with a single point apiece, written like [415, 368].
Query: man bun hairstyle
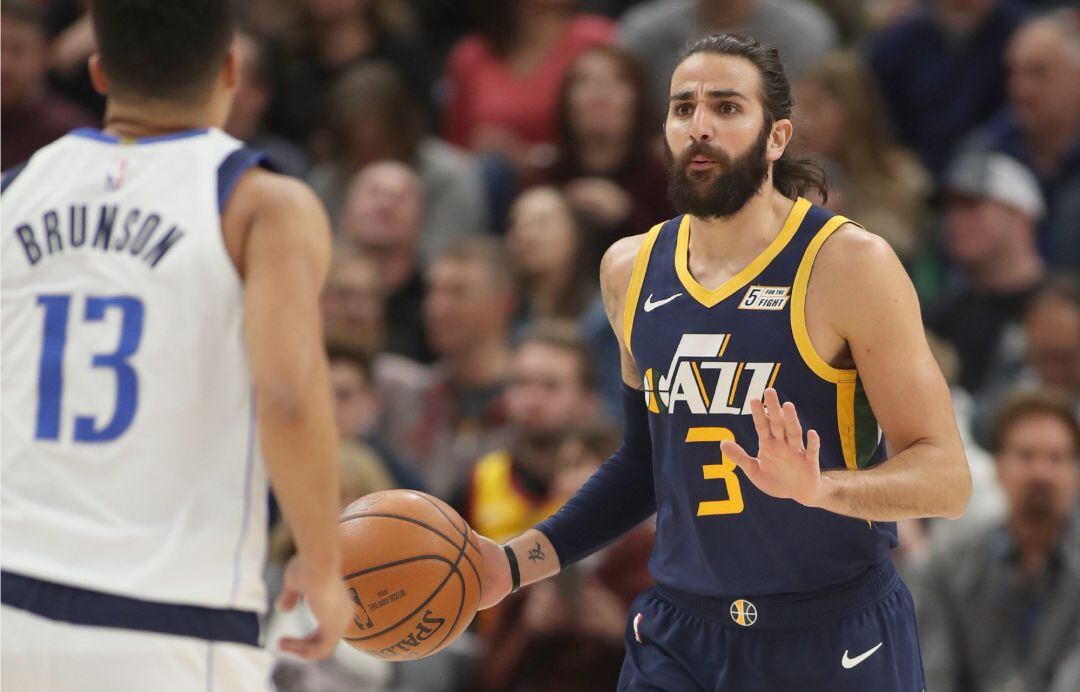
[792, 175]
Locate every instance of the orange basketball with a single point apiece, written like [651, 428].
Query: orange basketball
[412, 568]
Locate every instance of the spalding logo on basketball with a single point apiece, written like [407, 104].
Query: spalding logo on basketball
[411, 565]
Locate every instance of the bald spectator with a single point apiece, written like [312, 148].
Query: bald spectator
[374, 115]
[657, 31]
[459, 414]
[992, 204]
[1041, 126]
[383, 218]
[252, 96]
[999, 608]
[32, 114]
[941, 71]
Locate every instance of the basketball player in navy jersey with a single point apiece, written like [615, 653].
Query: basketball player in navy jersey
[782, 410]
[162, 361]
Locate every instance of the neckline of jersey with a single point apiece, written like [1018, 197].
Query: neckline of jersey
[709, 298]
[101, 136]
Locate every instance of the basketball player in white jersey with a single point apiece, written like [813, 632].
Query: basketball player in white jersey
[162, 360]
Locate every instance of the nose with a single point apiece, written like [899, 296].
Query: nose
[700, 125]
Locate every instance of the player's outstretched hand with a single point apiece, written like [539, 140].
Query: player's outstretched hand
[328, 602]
[497, 582]
[784, 466]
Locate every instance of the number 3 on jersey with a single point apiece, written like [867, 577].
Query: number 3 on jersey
[724, 471]
[51, 371]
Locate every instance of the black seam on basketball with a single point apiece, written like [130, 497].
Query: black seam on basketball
[440, 511]
[425, 525]
[453, 569]
[395, 563]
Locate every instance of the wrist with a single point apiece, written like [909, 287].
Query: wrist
[321, 563]
[826, 491]
[512, 565]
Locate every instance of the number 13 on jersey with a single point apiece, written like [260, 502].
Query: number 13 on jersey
[724, 471]
[51, 370]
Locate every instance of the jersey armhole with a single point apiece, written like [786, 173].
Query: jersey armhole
[10, 175]
[805, 347]
[235, 165]
[637, 280]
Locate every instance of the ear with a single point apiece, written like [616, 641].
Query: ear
[230, 70]
[779, 138]
[97, 75]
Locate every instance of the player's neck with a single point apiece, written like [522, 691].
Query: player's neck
[734, 241]
[129, 120]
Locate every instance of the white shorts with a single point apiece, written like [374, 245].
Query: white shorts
[42, 655]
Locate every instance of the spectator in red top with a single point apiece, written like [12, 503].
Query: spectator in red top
[504, 81]
[33, 115]
[609, 166]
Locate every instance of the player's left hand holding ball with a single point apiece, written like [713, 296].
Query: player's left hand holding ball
[326, 600]
[784, 466]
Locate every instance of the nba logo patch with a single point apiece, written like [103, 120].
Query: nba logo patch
[114, 177]
[744, 612]
[765, 298]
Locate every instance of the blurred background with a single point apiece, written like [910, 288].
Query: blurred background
[477, 157]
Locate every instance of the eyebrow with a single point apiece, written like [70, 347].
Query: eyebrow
[688, 95]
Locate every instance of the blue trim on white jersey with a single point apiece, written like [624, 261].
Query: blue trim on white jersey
[12, 173]
[96, 609]
[235, 165]
[100, 136]
[246, 516]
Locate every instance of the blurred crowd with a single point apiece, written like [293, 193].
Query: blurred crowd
[476, 157]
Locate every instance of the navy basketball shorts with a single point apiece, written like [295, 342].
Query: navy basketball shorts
[856, 637]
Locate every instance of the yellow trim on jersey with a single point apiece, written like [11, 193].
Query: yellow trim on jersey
[807, 351]
[637, 279]
[710, 298]
[735, 384]
[700, 384]
[723, 347]
[775, 372]
[845, 421]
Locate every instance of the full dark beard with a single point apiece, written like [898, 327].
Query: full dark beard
[691, 192]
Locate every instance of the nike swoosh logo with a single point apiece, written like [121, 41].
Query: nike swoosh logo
[852, 662]
[650, 305]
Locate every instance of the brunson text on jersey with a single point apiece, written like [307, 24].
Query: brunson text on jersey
[107, 228]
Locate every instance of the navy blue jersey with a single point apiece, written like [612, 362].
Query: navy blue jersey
[703, 356]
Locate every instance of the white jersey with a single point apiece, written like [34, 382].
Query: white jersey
[130, 457]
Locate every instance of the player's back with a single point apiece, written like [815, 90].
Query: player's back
[130, 460]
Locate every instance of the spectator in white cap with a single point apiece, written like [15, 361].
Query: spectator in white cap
[992, 206]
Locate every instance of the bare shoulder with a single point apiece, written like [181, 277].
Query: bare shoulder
[860, 278]
[286, 211]
[852, 249]
[618, 263]
[268, 192]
